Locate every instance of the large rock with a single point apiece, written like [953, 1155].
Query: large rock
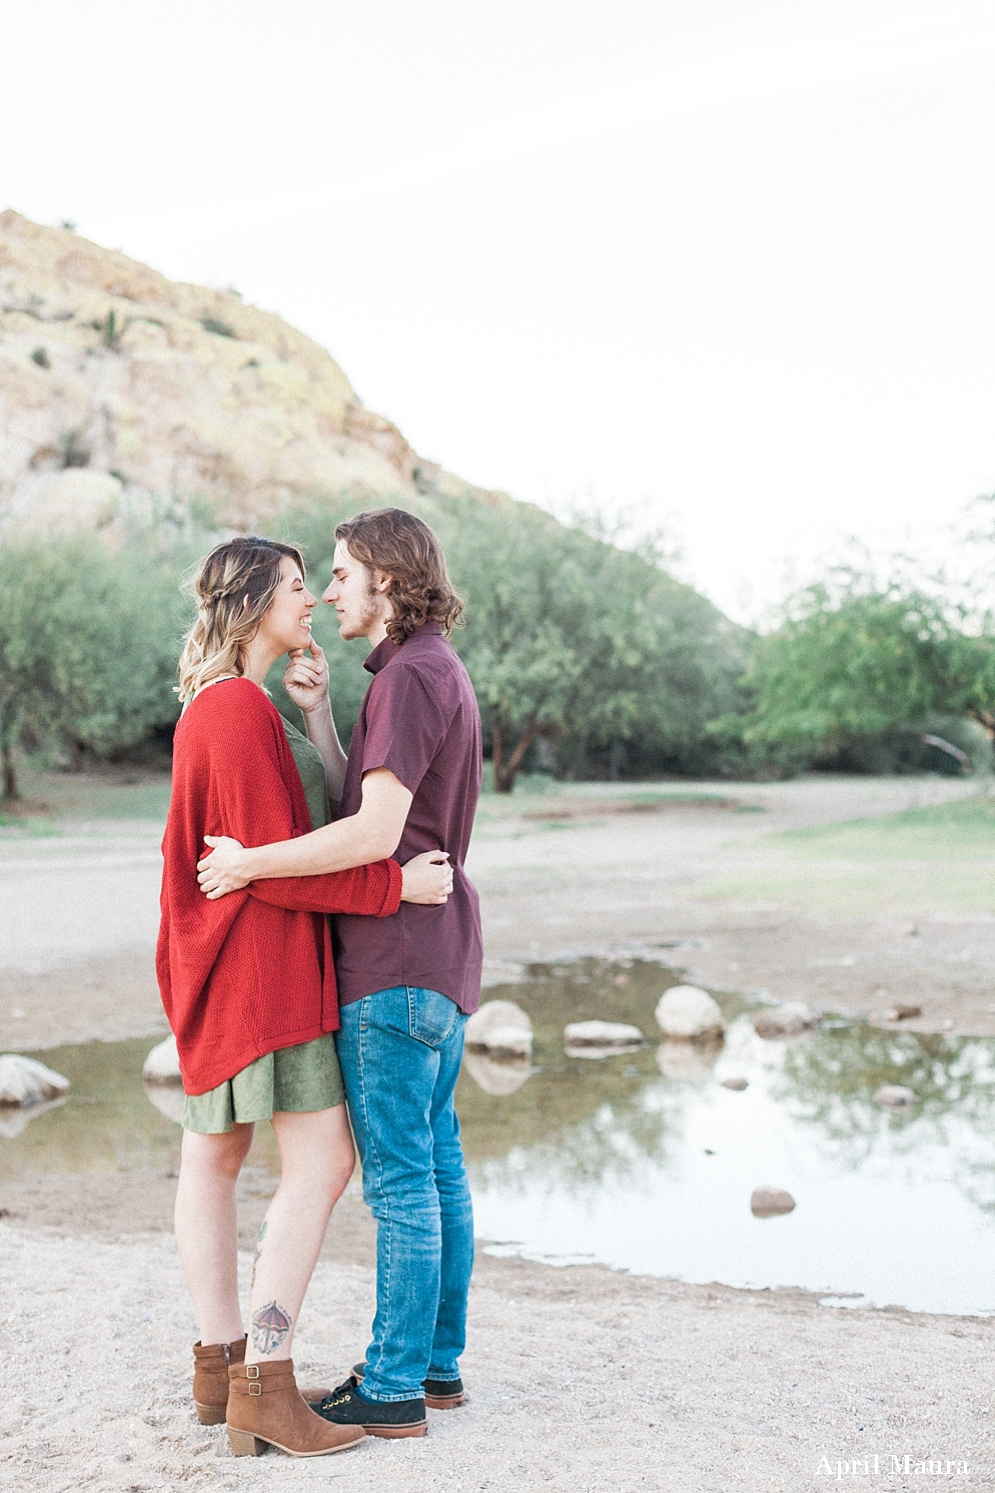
[113, 377]
[687, 1062]
[497, 1076]
[689, 1014]
[787, 1020]
[162, 1066]
[24, 1080]
[599, 1039]
[771, 1202]
[501, 1029]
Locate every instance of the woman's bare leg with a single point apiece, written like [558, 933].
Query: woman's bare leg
[317, 1158]
[207, 1229]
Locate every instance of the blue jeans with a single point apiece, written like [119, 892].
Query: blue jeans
[400, 1052]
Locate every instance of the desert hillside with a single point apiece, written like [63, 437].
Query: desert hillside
[114, 377]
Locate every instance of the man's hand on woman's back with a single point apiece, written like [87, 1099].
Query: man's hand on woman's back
[221, 871]
[427, 878]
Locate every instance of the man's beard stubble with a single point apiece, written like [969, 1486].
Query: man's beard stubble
[368, 617]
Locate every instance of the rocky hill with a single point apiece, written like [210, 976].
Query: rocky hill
[113, 378]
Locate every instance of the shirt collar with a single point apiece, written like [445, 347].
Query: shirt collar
[385, 651]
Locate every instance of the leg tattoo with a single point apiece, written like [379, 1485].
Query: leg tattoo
[259, 1250]
[270, 1325]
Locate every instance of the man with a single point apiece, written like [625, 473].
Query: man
[410, 783]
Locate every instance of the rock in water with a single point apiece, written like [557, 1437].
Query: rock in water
[736, 1084]
[895, 1096]
[24, 1080]
[783, 1021]
[599, 1039]
[689, 1014]
[501, 1029]
[771, 1202]
[162, 1066]
[497, 1076]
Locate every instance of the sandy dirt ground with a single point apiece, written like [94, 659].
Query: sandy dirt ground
[78, 912]
[625, 881]
[581, 1379]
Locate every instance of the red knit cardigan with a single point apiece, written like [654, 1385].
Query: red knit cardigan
[251, 972]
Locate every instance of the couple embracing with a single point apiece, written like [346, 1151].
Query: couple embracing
[253, 994]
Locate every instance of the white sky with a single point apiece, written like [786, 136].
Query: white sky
[731, 259]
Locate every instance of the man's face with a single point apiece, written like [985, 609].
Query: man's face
[357, 594]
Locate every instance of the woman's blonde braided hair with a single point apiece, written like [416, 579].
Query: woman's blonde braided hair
[234, 586]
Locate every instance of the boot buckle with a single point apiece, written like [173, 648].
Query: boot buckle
[255, 1388]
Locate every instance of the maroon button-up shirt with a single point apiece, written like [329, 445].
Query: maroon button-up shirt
[420, 719]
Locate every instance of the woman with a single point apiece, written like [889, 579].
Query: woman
[249, 988]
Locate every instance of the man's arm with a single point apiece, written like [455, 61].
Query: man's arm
[371, 834]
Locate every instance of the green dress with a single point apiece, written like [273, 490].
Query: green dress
[298, 1079]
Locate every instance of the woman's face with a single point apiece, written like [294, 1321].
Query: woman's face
[287, 623]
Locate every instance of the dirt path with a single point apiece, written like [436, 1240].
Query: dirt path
[582, 1380]
[78, 913]
[594, 885]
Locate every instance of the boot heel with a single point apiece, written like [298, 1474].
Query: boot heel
[244, 1444]
[210, 1415]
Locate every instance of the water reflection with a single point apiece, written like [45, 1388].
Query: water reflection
[830, 1077]
[579, 1120]
[15, 1119]
[106, 1123]
[498, 1076]
[828, 1082]
[688, 1062]
[644, 1160]
[648, 1162]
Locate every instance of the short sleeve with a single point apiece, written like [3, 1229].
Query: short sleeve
[405, 727]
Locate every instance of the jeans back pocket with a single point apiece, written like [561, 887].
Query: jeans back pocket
[432, 1016]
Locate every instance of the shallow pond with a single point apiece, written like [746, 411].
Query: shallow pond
[646, 1162]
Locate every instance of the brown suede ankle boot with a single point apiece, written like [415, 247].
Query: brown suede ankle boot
[265, 1408]
[210, 1378]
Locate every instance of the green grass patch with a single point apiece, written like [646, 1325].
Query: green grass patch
[964, 829]
[575, 801]
[105, 794]
[939, 859]
[945, 886]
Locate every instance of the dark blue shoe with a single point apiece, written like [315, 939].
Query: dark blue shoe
[345, 1407]
[440, 1394]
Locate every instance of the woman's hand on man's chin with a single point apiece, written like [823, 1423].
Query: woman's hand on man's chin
[221, 871]
[306, 679]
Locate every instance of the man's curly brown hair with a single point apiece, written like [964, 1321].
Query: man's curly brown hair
[400, 545]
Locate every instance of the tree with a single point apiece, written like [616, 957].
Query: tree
[27, 642]
[854, 660]
[88, 647]
[572, 640]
